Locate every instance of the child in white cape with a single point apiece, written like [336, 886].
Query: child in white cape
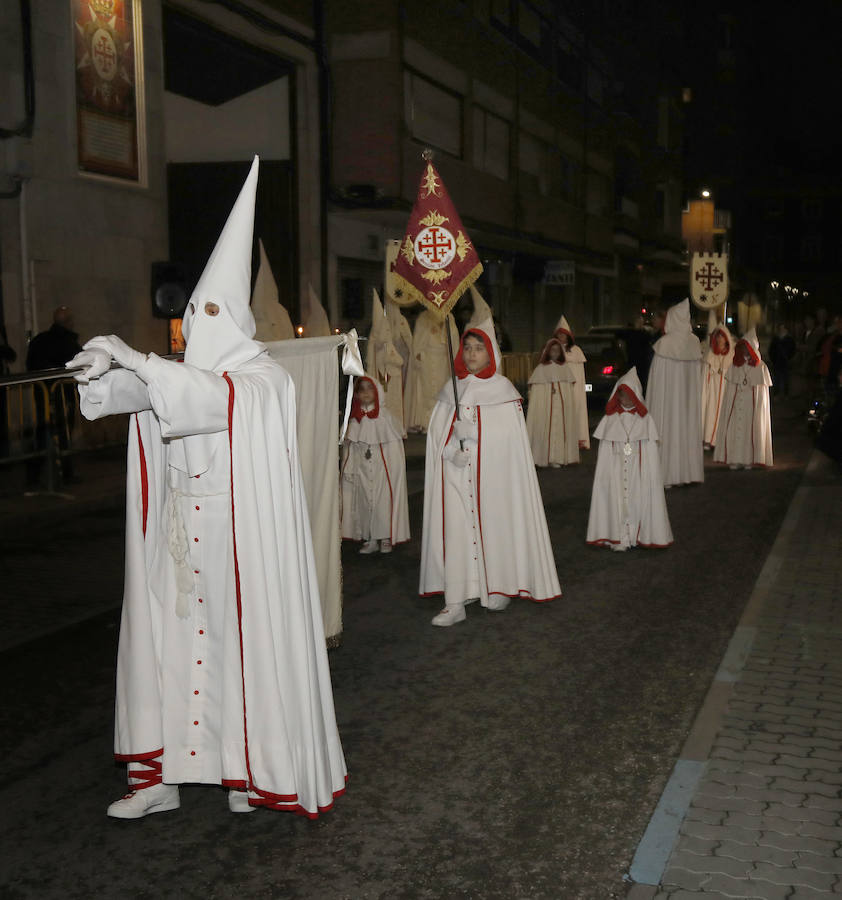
[627, 504]
[485, 533]
[552, 415]
[576, 360]
[716, 362]
[746, 428]
[374, 503]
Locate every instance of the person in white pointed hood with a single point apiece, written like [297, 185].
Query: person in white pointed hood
[746, 429]
[222, 673]
[271, 320]
[485, 533]
[429, 367]
[551, 416]
[383, 362]
[575, 359]
[374, 500]
[674, 397]
[627, 502]
[716, 362]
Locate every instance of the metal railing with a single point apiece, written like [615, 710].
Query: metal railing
[40, 425]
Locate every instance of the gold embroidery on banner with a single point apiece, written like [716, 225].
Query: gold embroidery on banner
[408, 251]
[434, 217]
[463, 245]
[430, 182]
[438, 297]
[437, 276]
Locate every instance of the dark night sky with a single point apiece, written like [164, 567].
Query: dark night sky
[792, 86]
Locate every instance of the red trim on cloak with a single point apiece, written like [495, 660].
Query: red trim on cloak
[138, 757]
[755, 358]
[459, 363]
[356, 407]
[391, 497]
[144, 477]
[712, 345]
[569, 333]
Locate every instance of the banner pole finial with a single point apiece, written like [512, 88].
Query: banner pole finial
[427, 154]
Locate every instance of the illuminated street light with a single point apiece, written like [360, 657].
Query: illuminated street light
[774, 285]
[705, 193]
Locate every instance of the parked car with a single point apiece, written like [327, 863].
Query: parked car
[606, 361]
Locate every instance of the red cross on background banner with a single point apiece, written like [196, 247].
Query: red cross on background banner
[436, 262]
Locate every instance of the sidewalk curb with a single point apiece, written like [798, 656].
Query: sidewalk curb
[659, 839]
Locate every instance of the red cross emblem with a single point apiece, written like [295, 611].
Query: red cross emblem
[435, 247]
[709, 276]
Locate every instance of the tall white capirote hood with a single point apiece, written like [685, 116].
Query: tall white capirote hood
[563, 325]
[482, 310]
[316, 323]
[224, 341]
[272, 321]
[750, 337]
[678, 319]
[713, 322]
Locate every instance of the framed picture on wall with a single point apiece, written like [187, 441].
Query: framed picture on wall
[108, 57]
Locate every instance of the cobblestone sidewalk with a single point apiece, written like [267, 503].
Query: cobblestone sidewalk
[762, 770]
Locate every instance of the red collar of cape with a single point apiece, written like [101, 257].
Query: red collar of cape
[614, 406]
[459, 363]
[713, 346]
[357, 411]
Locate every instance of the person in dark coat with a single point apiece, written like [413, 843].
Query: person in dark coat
[781, 352]
[51, 349]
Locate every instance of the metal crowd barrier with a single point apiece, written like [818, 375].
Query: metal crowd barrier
[40, 421]
[517, 367]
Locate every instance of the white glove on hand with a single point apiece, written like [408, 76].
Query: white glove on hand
[118, 349]
[464, 430]
[461, 458]
[94, 362]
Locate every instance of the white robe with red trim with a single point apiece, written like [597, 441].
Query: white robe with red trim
[575, 359]
[627, 502]
[374, 501]
[552, 417]
[485, 531]
[714, 367]
[746, 429]
[222, 664]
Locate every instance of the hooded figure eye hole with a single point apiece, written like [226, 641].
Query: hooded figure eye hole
[211, 309]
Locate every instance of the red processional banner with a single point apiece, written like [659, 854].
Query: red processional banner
[107, 92]
[436, 262]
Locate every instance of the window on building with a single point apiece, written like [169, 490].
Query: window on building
[532, 162]
[598, 194]
[491, 143]
[773, 248]
[434, 114]
[568, 64]
[811, 248]
[811, 209]
[570, 180]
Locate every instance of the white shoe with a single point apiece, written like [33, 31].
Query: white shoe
[137, 804]
[369, 547]
[450, 615]
[733, 468]
[385, 546]
[238, 802]
[498, 604]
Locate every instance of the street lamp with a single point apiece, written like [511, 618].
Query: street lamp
[705, 193]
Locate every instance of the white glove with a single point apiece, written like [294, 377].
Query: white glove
[461, 458]
[94, 362]
[464, 430]
[118, 350]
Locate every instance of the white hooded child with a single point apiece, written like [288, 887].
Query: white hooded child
[485, 533]
[576, 359]
[552, 414]
[222, 673]
[716, 362]
[674, 396]
[374, 501]
[746, 429]
[627, 503]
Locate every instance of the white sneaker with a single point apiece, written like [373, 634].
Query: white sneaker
[238, 802]
[385, 546]
[137, 804]
[498, 604]
[369, 547]
[450, 615]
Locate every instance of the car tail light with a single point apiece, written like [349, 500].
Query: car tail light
[607, 370]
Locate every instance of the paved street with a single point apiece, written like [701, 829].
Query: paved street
[512, 756]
